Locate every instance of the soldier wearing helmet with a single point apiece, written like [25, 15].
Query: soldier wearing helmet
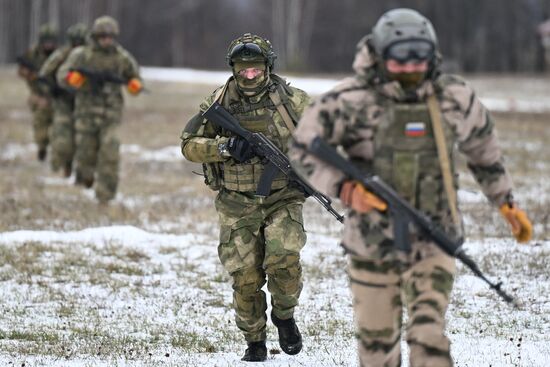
[61, 133]
[260, 238]
[401, 119]
[95, 72]
[39, 101]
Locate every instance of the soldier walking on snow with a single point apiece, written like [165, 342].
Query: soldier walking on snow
[61, 136]
[399, 118]
[96, 72]
[259, 237]
[39, 101]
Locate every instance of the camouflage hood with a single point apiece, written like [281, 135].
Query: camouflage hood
[364, 63]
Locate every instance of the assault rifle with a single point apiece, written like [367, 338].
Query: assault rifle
[97, 78]
[403, 211]
[276, 160]
[26, 63]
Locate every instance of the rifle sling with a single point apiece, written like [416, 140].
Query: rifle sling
[276, 98]
[444, 160]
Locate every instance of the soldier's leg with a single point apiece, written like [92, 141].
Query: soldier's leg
[108, 162]
[42, 120]
[427, 286]
[377, 306]
[62, 137]
[87, 145]
[284, 238]
[241, 255]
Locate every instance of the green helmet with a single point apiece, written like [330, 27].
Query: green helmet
[47, 32]
[250, 47]
[404, 26]
[77, 33]
[105, 25]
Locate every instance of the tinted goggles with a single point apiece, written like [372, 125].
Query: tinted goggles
[246, 50]
[410, 50]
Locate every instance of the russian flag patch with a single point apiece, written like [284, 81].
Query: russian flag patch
[415, 129]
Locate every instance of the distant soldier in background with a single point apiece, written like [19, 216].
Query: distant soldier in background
[260, 237]
[39, 101]
[401, 119]
[96, 73]
[544, 34]
[62, 138]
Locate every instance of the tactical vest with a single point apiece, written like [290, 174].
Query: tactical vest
[259, 117]
[406, 158]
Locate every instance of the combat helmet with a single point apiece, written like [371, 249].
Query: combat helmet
[407, 28]
[48, 32]
[105, 25]
[250, 47]
[77, 34]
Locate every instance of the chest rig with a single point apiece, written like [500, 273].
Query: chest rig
[406, 157]
[266, 117]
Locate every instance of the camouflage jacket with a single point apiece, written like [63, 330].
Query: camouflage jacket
[96, 97]
[37, 57]
[355, 115]
[200, 138]
[48, 72]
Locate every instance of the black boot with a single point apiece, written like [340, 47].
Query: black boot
[42, 154]
[256, 352]
[67, 169]
[290, 338]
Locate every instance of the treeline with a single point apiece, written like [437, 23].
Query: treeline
[317, 35]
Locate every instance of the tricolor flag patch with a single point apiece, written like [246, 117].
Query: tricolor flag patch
[415, 129]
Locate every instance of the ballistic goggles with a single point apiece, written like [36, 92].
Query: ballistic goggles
[404, 51]
[246, 51]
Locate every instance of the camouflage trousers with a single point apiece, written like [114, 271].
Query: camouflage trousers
[259, 239]
[62, 134]
[97, 153]
[42, 119]
[381, 289]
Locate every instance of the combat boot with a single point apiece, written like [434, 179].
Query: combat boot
[256, 352]
[67, 170]
[42, 154]
[290, 338]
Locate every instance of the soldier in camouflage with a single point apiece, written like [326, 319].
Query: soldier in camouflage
[61, 135]
[39, 101]
[259, 236]
[384, 119]
[98, 104]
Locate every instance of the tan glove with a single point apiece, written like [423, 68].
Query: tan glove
[521, 226]
[355, 196]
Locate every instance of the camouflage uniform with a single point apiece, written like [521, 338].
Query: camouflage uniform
[62, 130]
[39, 100]
[98, 113]
[258, 236]
[368, 116]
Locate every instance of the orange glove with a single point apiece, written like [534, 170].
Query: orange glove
[75, 79]
[521, 226]
[134, 86]
[355, 196]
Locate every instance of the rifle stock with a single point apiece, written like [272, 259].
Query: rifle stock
[400, 207]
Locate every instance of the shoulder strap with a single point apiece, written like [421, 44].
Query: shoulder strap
[444, 161]
[276, 98]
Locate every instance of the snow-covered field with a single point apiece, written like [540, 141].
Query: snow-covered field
[139, 284]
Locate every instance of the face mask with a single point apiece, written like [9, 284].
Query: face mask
[409, 74]
[251, 77]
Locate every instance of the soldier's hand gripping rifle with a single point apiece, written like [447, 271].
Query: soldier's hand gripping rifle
[264, 148]
[401, 208]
